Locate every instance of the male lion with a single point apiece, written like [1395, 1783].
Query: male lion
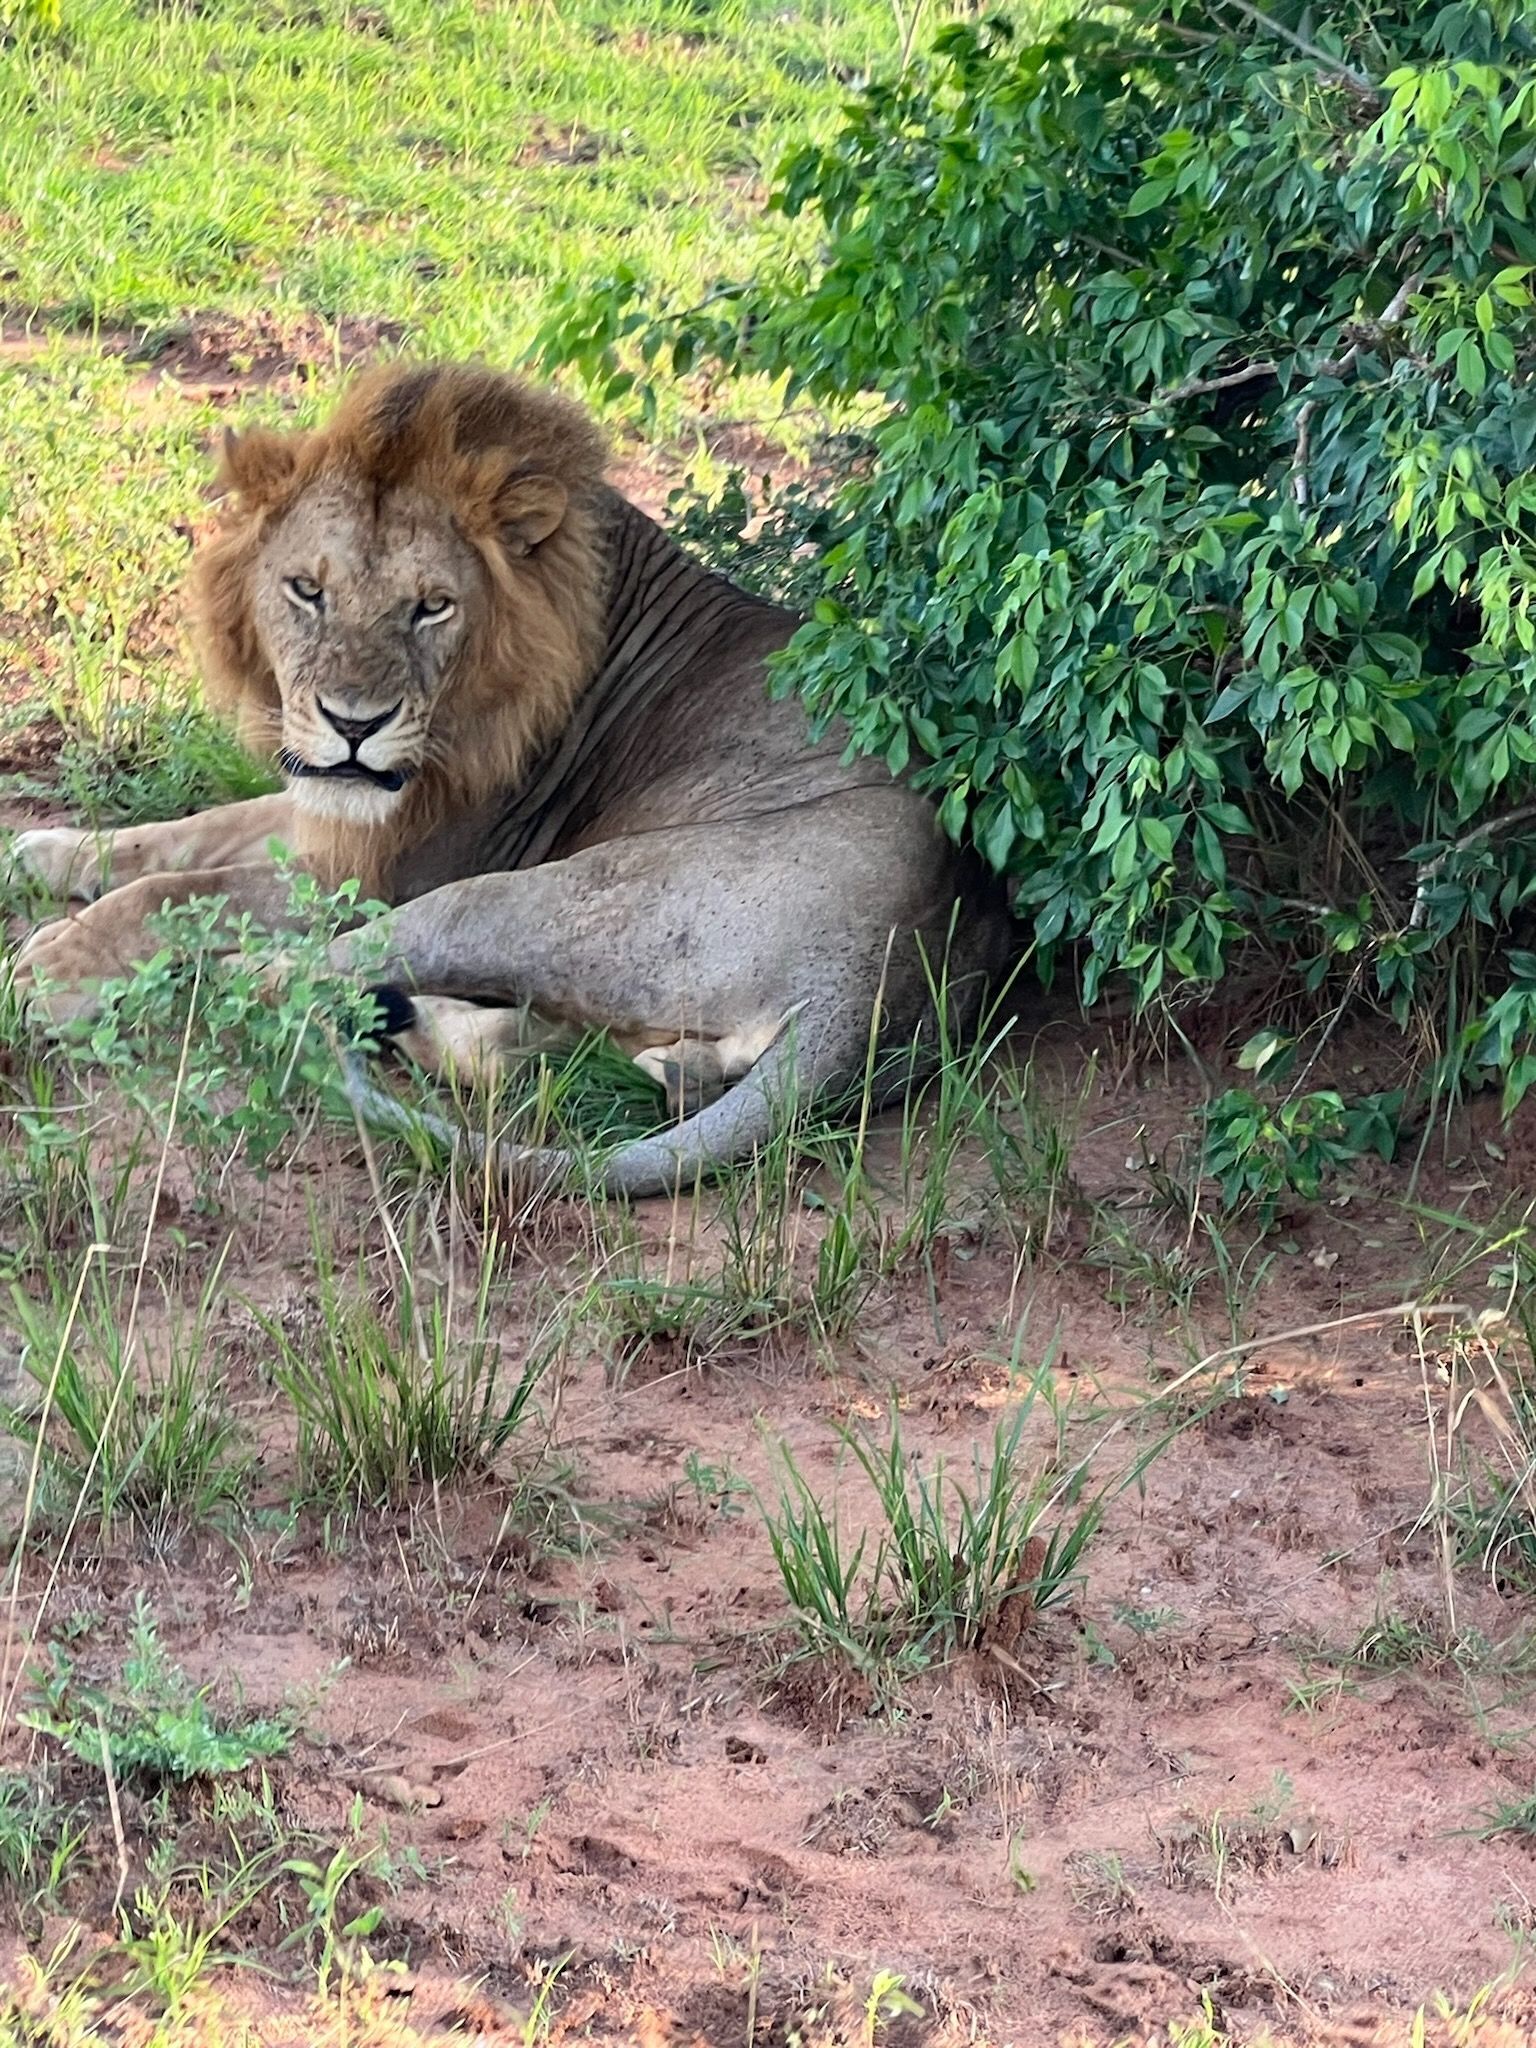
[508, 704]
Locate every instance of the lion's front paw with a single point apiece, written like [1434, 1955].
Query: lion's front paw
[59, 972]
[59, 858]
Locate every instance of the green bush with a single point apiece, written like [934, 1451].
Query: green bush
[1184, 546]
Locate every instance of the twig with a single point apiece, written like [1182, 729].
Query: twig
[8, 1689]
[1197, 387]
[1073, 1477]
[1432, 868]
[117, 1813]
[1358, 79]
[1402, 1309]
[1303, 450]
[1391, 315]
[62, 1547]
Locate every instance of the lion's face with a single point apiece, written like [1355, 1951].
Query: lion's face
[364, 610]
[404, 604]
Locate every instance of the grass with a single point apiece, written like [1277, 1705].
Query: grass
[158, 1444]
[409, 1392]
[433, 166]
[941, 1567]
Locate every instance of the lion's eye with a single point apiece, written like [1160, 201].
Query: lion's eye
[305, 590]
[431, 611]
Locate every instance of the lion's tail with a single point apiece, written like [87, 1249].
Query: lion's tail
[798, 1063]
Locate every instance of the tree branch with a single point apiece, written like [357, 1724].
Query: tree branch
[1365, 332]
[1197, 387]
[1367, 87]
[1431, 869]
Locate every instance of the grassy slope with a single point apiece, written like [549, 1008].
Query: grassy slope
[407, 160]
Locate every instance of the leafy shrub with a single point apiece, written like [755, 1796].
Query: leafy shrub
[1258, 1152]
[252, 1023]
[1186, 556]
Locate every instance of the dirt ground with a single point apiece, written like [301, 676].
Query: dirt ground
[1184, 1786]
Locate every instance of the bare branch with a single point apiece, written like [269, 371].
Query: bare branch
[1367, 87]
[1198, 386]
[1433, 868]
[1365, 331]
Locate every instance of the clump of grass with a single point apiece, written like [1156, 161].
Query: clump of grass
[41, 1836]
[144, 760]
[396, 1394]
[945, 1566]
[66, 1182]
[119, 1433]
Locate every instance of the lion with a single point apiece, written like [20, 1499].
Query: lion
[506, 703]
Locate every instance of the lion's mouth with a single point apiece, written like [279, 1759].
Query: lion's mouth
[391, 780]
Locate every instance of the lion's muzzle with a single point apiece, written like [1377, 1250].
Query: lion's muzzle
[356, 729]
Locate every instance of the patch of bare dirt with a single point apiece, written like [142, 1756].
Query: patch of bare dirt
[1153, 1803]
[220, 353]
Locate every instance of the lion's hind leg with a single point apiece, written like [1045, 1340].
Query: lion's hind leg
[479, 1042]
[697, 1071]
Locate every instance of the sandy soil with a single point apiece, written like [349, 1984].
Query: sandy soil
[1135, 1806]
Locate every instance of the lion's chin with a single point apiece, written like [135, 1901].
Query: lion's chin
[348, 799]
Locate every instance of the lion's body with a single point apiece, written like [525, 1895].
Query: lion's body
[641, 840]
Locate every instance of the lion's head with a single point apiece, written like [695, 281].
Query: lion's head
[403, 605]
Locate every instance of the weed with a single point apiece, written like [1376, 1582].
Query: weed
[1309, 1695]
[958, 1560]
[1266, 1156]
[408, 1394]
[154, 1723]
[165, 1956]
[1506, 1817]
[715, 1486]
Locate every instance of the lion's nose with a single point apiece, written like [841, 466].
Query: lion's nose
[356, 729]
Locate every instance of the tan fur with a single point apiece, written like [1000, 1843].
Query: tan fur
[512, 471]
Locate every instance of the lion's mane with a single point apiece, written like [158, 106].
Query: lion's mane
[470, 440]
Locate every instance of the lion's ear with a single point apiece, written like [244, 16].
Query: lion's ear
[527, 509]
[257, 464]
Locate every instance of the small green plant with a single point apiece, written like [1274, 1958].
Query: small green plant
[715, 1486]
[165, 1956]
[1263, 1156]
[241, 1027]
[333, 1922]
[153, 1722]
